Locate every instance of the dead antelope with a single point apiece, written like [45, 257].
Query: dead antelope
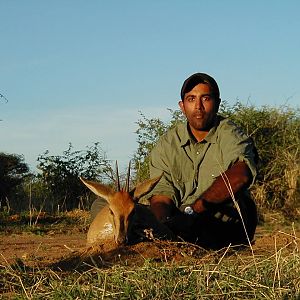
[120, 218]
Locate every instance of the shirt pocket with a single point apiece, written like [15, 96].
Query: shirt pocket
[208, 172]
[183, 179]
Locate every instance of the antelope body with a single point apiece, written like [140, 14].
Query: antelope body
[120, 218]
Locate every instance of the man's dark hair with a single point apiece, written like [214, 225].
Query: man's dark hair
[197, 78]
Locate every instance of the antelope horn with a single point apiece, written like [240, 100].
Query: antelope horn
[127, 178]
[117, 177]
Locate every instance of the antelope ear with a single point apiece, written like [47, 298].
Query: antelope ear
[99, 189]
[145, 187]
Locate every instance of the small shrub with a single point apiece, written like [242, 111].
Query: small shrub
[60, 174]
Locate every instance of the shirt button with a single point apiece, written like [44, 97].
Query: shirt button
[197, 152]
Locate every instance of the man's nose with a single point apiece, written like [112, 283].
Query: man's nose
[198, 103]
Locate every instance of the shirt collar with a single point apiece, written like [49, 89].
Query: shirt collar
[187, 138]
[184, 135]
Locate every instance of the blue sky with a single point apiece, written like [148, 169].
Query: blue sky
[80, 71]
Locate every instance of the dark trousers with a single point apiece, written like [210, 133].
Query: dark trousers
[211, 232]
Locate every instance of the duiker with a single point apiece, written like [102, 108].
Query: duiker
[123, 219]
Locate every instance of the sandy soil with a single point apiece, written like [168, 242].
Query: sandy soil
[67, 250]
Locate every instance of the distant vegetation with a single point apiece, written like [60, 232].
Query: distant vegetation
[276, 132]
[56, 187]
[13, 173]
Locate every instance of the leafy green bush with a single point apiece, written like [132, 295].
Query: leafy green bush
[13, 172]
[60, 174]
[276, 132]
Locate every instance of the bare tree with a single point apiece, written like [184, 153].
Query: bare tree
[2, 97]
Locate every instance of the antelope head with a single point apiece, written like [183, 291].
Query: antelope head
[121, 203]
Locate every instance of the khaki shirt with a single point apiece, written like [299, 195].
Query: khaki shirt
[190, 167]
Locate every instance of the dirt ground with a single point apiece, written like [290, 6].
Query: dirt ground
[68, 250]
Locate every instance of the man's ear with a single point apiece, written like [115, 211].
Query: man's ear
[180, 103]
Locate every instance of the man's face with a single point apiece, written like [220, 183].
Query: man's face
[200, 107]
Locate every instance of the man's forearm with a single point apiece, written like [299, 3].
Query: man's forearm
[231, 181]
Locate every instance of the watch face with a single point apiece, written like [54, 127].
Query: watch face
[188, 210]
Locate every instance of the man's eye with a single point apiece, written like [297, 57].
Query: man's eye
[190, 99]
[206, 98]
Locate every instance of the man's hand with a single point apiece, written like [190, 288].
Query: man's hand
[197, 207]
[166, 212]
[162, 207]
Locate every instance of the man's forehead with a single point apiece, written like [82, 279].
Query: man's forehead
[204, 88]
[197, 78]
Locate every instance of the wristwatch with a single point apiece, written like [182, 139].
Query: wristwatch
[188, 210]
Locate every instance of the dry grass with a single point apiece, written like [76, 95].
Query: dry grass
[164, 270]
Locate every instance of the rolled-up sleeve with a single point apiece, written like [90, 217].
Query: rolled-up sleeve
[236, 146]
